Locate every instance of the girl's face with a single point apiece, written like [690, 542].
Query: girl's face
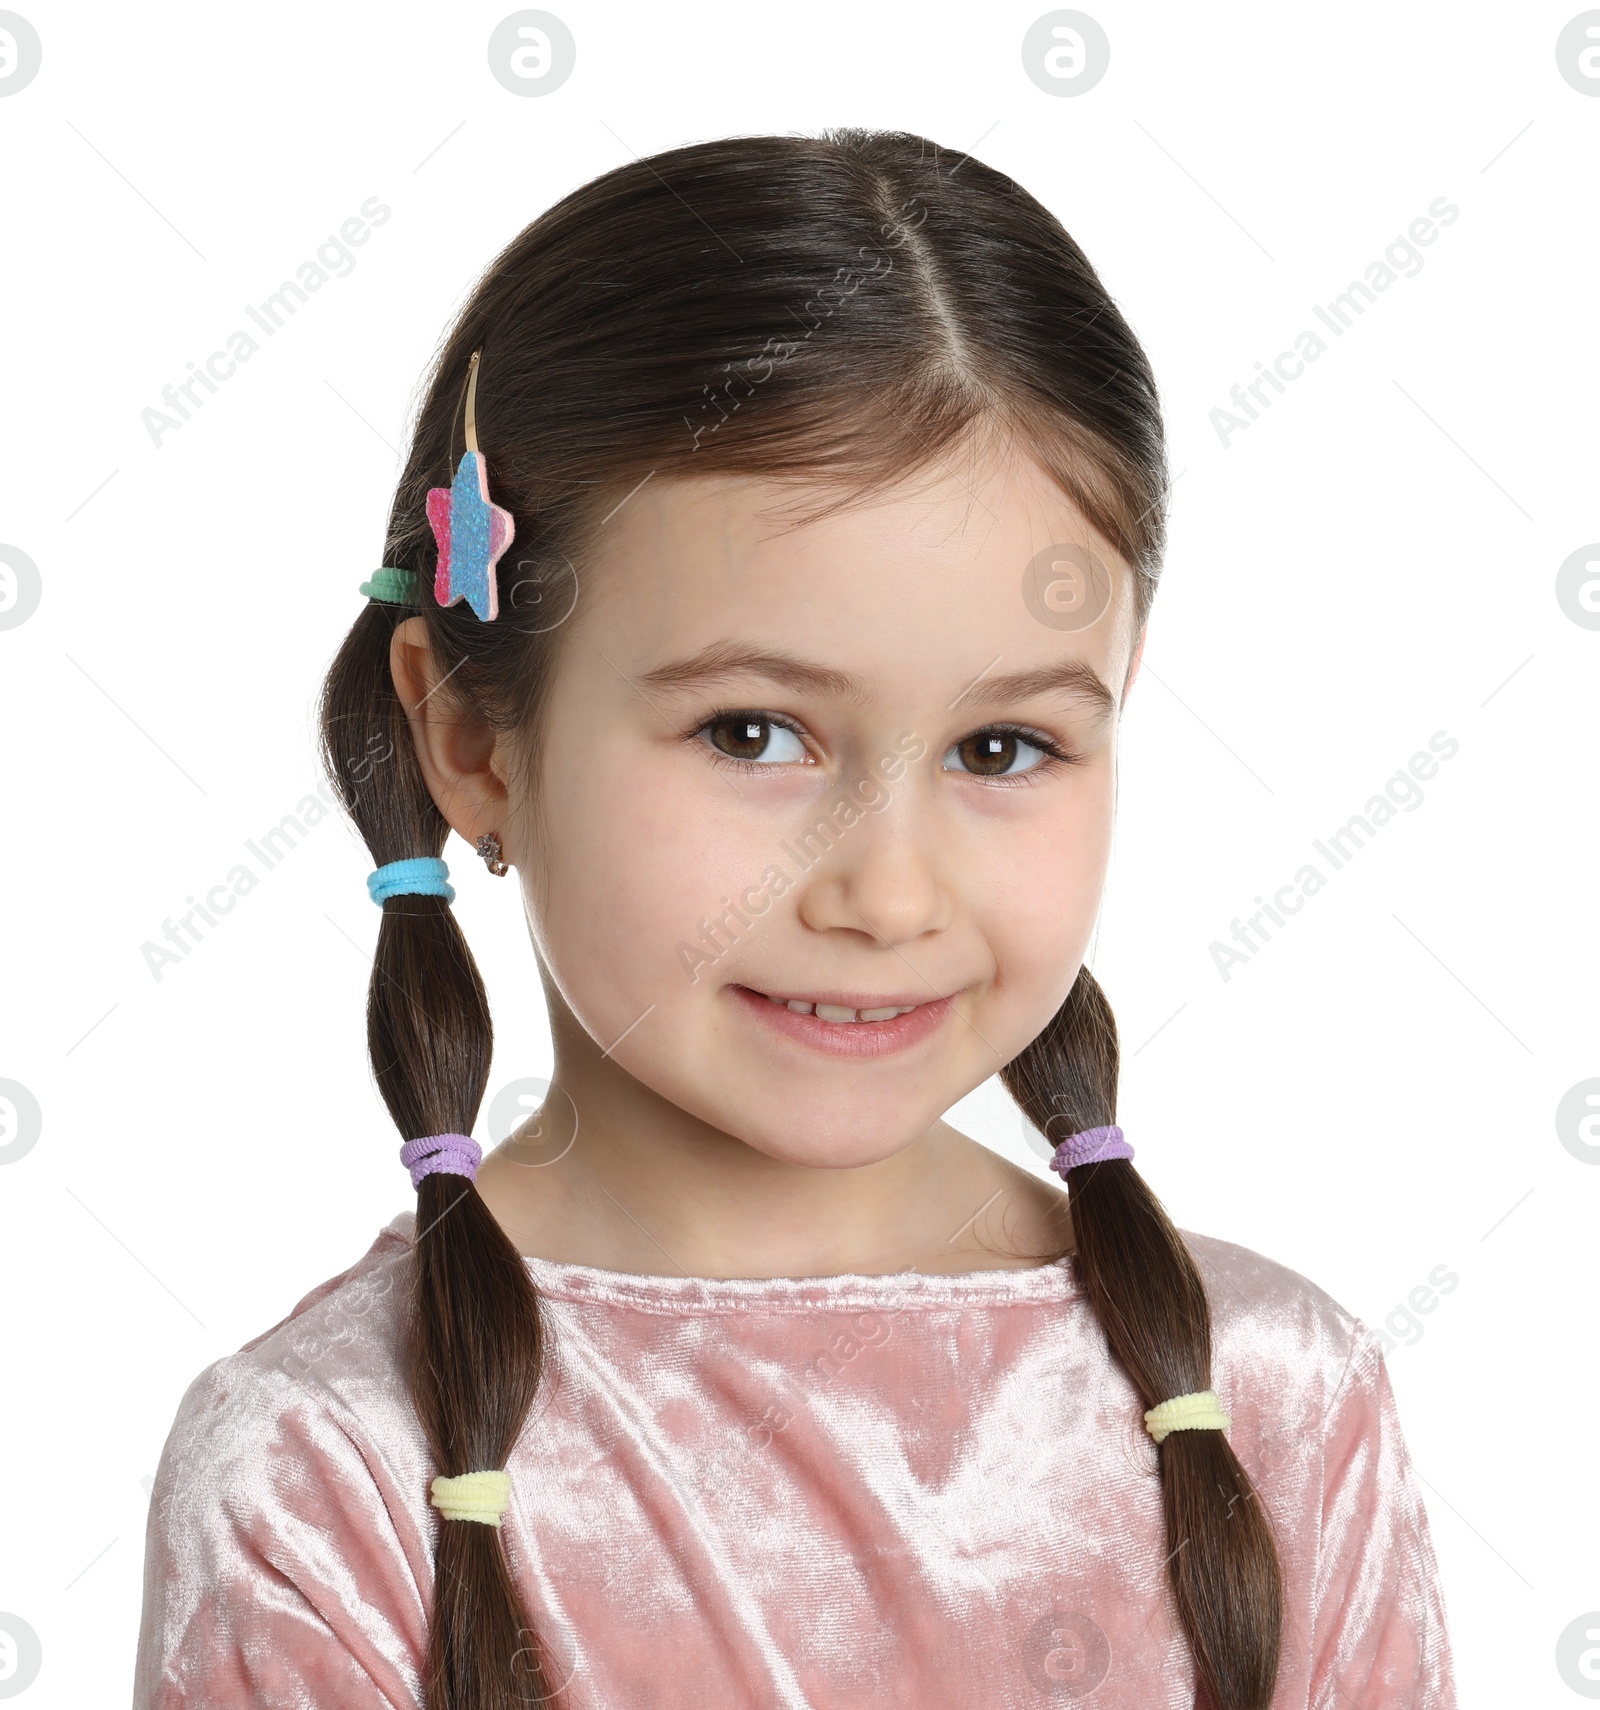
[863, 762]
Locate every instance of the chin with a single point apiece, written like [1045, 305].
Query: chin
[818, 1145]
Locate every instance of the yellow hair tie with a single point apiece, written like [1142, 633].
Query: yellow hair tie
[473, 1496]
[1196, 1412]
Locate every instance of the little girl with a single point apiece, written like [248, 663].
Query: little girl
[770, 568]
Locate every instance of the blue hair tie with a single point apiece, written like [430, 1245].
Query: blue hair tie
[421, 876]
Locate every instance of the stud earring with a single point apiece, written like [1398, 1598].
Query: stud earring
[489, 849]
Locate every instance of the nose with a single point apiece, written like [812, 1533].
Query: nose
[881, 876]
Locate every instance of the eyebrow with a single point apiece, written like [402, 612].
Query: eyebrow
[1068, 678]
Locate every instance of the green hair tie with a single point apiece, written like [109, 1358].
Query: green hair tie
[393, 587]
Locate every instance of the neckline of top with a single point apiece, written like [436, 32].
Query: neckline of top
[848, 1291]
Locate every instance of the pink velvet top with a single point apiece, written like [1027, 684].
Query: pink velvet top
[837, 1492]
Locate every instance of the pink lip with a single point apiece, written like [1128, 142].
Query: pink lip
[850, 1038]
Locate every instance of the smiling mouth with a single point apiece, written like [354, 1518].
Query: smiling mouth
[842, 1015]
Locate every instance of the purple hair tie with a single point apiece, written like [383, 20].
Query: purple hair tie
[1091, 1146]
[456, 1154]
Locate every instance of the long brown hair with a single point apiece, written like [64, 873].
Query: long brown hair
[842, 309]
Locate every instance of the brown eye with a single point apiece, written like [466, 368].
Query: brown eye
[754, 738]
[994, 754]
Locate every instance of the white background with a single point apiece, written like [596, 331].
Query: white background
[1372, 1096]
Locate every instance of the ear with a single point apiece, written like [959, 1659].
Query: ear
[1138, 654]
[460, 755]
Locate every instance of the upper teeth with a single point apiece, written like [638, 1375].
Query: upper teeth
[837, 1012]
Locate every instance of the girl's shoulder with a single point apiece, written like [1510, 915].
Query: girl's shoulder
[338, 1353]
[1247, 1288]
[1280, 1340]
[335, 1355]
[292, 1482]
[323, 1318]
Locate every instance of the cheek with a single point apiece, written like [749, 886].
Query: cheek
[1040, 889]
[635, 869]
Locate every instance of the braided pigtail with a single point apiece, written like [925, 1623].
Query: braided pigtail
[1146, 1292]
[474, 1345]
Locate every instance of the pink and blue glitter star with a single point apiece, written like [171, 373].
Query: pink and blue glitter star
[472, 532]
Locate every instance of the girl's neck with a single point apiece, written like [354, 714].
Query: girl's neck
[692, 1202]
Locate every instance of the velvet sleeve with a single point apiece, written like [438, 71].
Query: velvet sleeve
[1379, 1640]
[278, 1570]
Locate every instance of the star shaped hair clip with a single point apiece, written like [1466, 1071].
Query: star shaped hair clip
[472, 531]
